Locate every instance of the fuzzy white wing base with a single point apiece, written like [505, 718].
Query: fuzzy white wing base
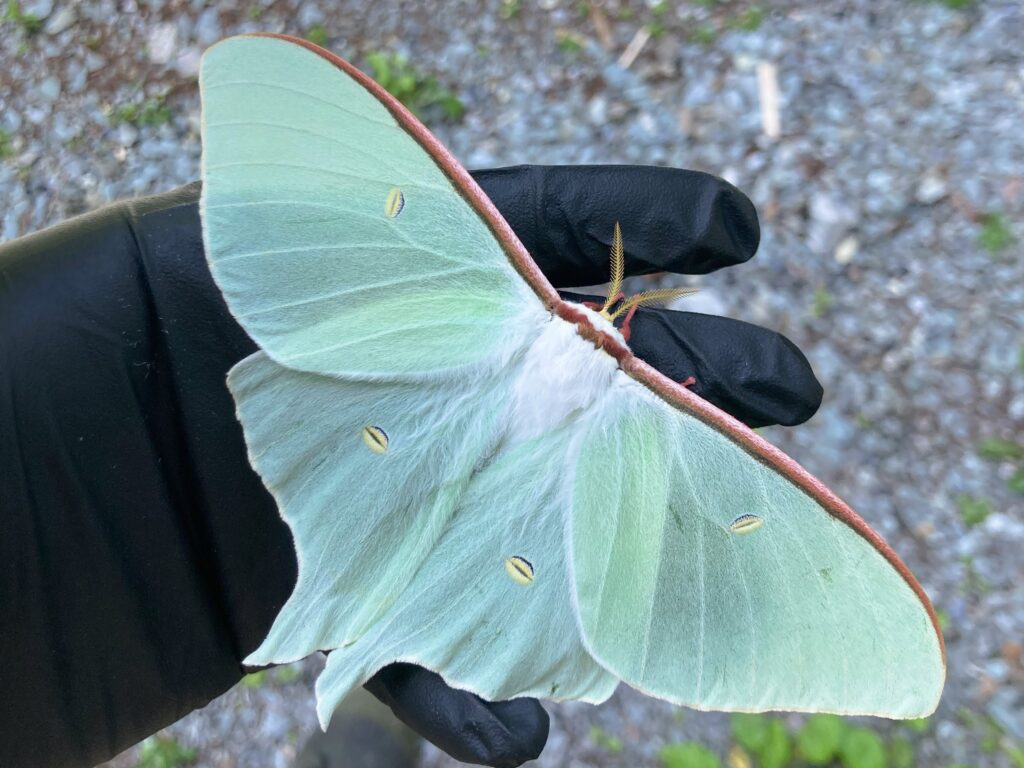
[403, 554]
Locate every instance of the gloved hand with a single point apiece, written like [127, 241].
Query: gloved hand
[140, 555]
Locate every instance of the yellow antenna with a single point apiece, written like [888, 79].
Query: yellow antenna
[650, 297]
[618, 270]
[618, 266]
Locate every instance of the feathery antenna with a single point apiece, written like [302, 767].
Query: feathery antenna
[651, 297]
[618, 260]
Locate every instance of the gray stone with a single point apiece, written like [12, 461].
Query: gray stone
[49, 89]
[162, 43]
[930, 190]
[62, 20]
[208, 28]
[38, 8]
[127, 134]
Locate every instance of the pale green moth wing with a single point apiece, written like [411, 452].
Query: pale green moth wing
[706, 577]
[338, 242]
[405, 538]
[474, 476]
[363, 518]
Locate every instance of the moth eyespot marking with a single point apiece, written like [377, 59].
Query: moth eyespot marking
[519, 569]
[746, 524]
[394, 203]
[376, 439]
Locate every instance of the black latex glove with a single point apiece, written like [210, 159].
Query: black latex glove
[141, 557]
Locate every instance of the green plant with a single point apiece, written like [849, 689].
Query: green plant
[656, 28]
[995, 235]
[996, 449]
[957, 5]
[987, 730]
[688, 755]
[604, 740]
[1016, 481]
[152, 111]
[287, 674]
[704, 34]
[6, 145]
[819, 738]
[568, 42]
[778, 747]
[919, 725]
[29, 23]
[862, 748]
[164, 752]
[510, 9]
[974, 582]
[749, 20]
[972, 509]
[750, 731]
[420, 93]
[901, 753]
[255, 12]
[823, 301]
[317, 35]
[255, 679]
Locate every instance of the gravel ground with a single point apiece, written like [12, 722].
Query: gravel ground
[892, 203]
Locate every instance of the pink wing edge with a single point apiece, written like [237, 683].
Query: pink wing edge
[675, 394]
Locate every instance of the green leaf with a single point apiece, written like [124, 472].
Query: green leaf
[901, 753]
[823, 301]
[417, 91]
[778, 748]
[287, 674]
[1016, 481]
[705, 34]
[749, 20]
[1016, 754]
[920, 725]
[688, 755]
[997, 449]
[317, 35]
[862, 748]
[995, 234]
[255, 679]
[6, 145]
[818, 741]
[164, 752]
[751, 731]
[604, 740]
[973, 511]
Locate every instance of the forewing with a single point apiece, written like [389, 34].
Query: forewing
[704, 576]
[339, 242]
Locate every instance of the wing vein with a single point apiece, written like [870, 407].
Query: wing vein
[334, 105]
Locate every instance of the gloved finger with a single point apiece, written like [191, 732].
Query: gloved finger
[672, 220]
[755, 374]
[503, 734]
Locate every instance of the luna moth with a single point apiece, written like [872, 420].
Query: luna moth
[480, 477]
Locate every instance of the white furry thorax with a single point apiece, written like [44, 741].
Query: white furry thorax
[561, 375]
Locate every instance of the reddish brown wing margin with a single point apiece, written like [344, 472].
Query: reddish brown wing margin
[675, 394]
